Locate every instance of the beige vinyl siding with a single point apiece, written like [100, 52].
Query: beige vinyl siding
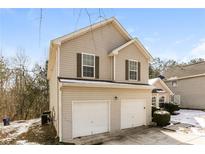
[133, 53]
[53, 89]
[99, 42]
[70, 94]
[191, 92]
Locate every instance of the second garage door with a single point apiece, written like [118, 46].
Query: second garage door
[132, 113]
[90, 117]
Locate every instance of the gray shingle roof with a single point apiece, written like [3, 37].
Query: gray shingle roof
[186, 70]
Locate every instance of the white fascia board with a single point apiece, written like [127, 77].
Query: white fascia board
[185, 77]
[103, 85]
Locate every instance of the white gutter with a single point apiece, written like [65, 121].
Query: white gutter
[97, 84]
[185, 77]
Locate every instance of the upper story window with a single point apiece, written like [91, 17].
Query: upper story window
[88, 65]
[132, 70]
[174, 83]
[133, 67]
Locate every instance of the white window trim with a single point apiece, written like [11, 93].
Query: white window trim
[83, 53]
[129, 60]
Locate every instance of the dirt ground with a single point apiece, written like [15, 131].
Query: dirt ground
[28, 132]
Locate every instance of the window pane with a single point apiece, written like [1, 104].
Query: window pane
[88, 71]
[133, 75]
[133, 65]
[88, 60]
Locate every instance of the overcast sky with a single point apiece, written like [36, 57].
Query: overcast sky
[167, 33]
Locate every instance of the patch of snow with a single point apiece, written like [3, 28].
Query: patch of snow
[25, 142]
[198, 131]
[17, 128]
[193, 117]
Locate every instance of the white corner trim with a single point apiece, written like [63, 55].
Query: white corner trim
[60, 114]
[58, 61]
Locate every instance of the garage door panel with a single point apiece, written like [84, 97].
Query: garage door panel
[90, 117]
[132, 113]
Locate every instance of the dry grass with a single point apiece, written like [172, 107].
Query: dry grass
[36, 134]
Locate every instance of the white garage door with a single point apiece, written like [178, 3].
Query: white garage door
[90, 117]
[132, 113]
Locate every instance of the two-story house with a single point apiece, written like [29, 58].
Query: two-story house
[188, 84]
[98, 79]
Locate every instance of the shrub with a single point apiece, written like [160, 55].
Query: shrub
[171, 107]
[154, 108]
[162, 118]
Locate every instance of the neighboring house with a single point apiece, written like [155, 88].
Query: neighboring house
[188, 83]
[161, 93]
[98, 79]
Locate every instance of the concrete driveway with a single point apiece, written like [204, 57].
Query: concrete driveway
[195, 134]
[157, 136]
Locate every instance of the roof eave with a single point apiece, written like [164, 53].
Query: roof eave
[146, 53]
[94, 26]
[106, 85]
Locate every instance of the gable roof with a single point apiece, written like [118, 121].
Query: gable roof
[92, 27]
[135, 42]
[185, 71]
[155, 80]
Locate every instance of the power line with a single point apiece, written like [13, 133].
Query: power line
[40, 26]
[78, 18]
[88, 14]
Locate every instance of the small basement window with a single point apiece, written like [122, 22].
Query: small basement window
[88, 65]
[133, 70]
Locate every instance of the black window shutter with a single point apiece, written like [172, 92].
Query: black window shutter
[79, 65]
[97, 67]
[126, 69]
[139, 71]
